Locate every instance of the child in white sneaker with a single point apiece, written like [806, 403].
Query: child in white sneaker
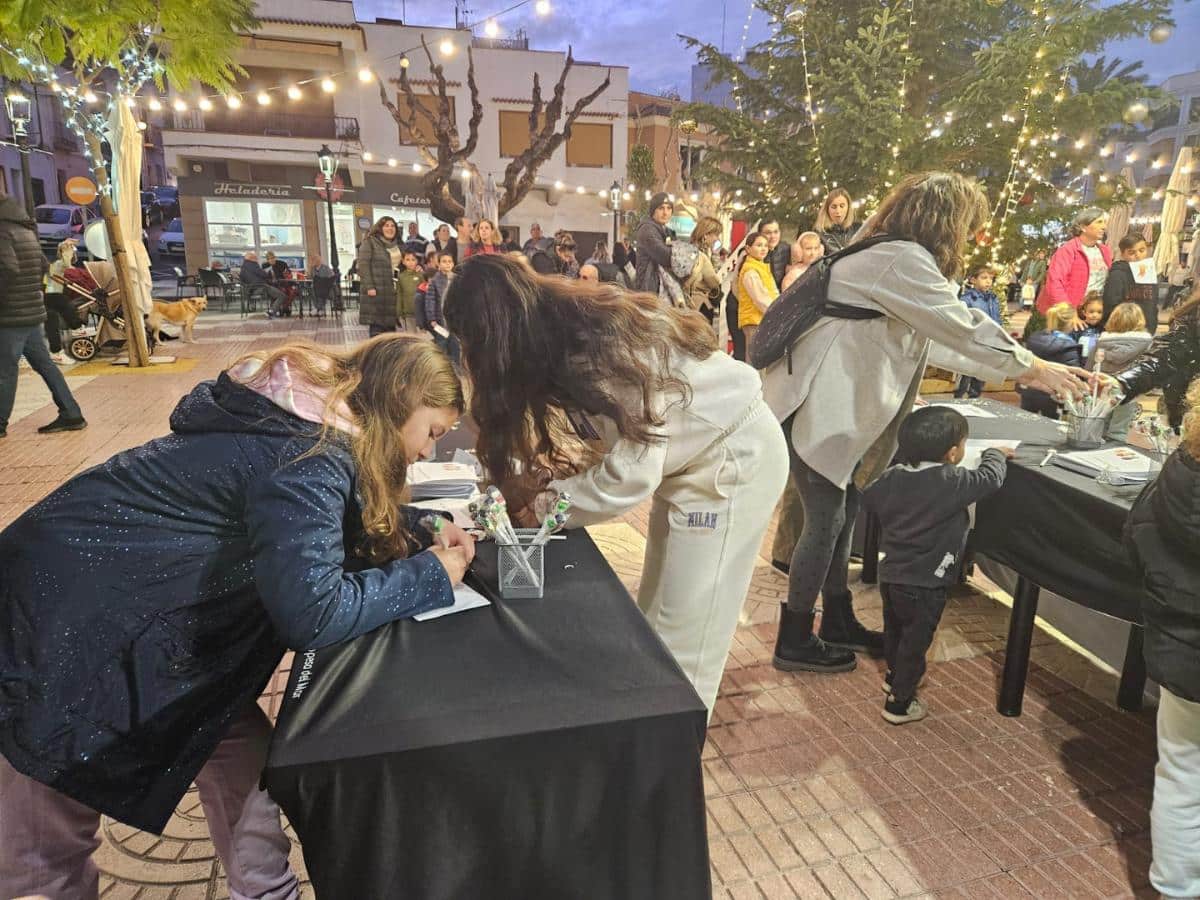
[922, 509]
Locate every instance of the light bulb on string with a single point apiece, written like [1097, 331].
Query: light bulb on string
[328, 85]
[263, 98]
[542, 7]
[178, 105]
[491, 29]
[416, 167]
[365, 75]
[392, 162]
[294, 92]
[446, 47]
[367, 156]
[404, 61]
[233, 101]
[205, 104]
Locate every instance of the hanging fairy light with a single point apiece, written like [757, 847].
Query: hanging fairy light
[263, 98]
[294, 92]
[233, 101]
[205, 104]
[491, 29]
[365, 75]
[328, 85]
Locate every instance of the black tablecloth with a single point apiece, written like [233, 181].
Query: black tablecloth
[533, 748]
[1059, 529]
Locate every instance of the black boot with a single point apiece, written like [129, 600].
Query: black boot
[798, 649]
[840, 628]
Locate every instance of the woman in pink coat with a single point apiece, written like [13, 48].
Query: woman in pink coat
[1080, 265]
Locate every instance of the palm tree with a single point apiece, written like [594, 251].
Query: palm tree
[1089, 78]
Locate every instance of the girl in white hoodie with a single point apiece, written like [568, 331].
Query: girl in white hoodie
[654, 411]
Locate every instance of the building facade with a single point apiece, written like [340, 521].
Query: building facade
[247, 175]
[54, 155]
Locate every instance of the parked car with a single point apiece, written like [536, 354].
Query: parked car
[171, 239]
[57, 222]
[168, 200]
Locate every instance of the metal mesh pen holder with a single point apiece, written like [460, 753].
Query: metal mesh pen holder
[1087, 432]
[522, 576]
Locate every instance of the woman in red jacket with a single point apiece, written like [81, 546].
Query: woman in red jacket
[1080, 265]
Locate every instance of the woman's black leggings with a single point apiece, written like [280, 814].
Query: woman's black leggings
[821, 560]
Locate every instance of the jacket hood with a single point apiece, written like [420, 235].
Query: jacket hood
[1120, 349]
[224, 406]
[11, 210]
[1047, 343]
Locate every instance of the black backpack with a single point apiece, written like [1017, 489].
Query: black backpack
[800, 307]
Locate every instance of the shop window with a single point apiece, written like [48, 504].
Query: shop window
[235, 227]
[428, 110]
[590, 146]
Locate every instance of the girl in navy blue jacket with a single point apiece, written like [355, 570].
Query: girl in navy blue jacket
[147, 601]
[1053, 343]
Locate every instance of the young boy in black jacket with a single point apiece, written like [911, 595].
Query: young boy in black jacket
[922, 508]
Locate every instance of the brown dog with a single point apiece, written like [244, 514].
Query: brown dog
[181, 312]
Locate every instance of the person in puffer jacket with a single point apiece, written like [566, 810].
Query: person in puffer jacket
[148, 600]
[1163, 536]
[1052, 344]
[1124, 340]
[1171, 363]
[22, 312]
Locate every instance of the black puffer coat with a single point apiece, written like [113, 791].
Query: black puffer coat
[1163, 535]
[1171, 363]
[22, 266]
[836, 237]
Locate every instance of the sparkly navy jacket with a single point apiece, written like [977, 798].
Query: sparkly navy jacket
[146, 602]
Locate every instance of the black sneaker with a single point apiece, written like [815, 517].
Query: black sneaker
[901, 712]
[63, 424]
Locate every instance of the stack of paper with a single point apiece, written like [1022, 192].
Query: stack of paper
[464, 598]
[1120, 465]
[434, 480]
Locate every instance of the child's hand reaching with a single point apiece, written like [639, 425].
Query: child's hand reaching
[1009, 452]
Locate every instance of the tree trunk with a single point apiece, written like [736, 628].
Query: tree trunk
[135, 332]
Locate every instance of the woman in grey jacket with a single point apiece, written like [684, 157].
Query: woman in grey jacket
[852, 382]
[379, 255]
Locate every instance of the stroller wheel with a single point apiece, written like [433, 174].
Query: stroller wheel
[82, 348]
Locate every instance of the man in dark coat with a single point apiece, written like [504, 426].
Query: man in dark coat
[22, 312]
[779, 254]
[654, 245]
[255, 277]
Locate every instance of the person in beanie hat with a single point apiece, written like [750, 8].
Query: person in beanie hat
[654, 244]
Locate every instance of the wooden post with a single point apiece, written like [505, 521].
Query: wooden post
[135, 332]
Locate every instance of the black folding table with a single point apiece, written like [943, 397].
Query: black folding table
[528, 749]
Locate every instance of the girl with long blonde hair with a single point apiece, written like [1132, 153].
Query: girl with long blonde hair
[848, 383]
[149, 600]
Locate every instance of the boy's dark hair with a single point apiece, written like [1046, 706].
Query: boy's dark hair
[929, 433]
[1130, 241]
[411, 253]
[441, 256]
[979, 270]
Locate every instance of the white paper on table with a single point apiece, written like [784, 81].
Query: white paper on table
[1122, 460]
[464, 598]
[975, 450]
[971, 412]
[423, 472]
[456, 506]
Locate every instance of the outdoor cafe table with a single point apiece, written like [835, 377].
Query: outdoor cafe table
[531, 748]
[1057, 530]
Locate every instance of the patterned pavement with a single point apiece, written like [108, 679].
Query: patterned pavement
[810, 793]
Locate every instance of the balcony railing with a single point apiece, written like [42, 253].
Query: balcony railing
[267, 124]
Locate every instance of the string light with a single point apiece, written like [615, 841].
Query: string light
[205, 104]
[233, 101]
[491, 29]
[328, 85]
[294, 92]
[365, 75]
[446, 47]
[263, 98]
[542, 7]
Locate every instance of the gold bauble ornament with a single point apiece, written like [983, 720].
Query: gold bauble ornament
[1160, 33]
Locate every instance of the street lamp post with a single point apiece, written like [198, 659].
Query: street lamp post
[329, 166]
[614, 203]
[20, 113]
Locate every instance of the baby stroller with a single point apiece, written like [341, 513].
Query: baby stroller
[91, 310]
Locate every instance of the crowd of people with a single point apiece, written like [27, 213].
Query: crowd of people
[603, 379]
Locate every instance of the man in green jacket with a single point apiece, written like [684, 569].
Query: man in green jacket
[406, 291]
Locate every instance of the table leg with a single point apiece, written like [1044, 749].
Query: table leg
[870, 564]
[1133, 672]
[1016, 653]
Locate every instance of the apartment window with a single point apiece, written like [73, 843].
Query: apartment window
[514, 131]
[1194, 111]
[428, 110]
[590, 146]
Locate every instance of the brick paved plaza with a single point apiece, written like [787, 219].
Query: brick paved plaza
[810, 793]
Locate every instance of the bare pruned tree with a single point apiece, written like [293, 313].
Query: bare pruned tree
[442, 149]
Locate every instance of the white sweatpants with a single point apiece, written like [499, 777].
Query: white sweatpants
[1175, 815]
[706, 526]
